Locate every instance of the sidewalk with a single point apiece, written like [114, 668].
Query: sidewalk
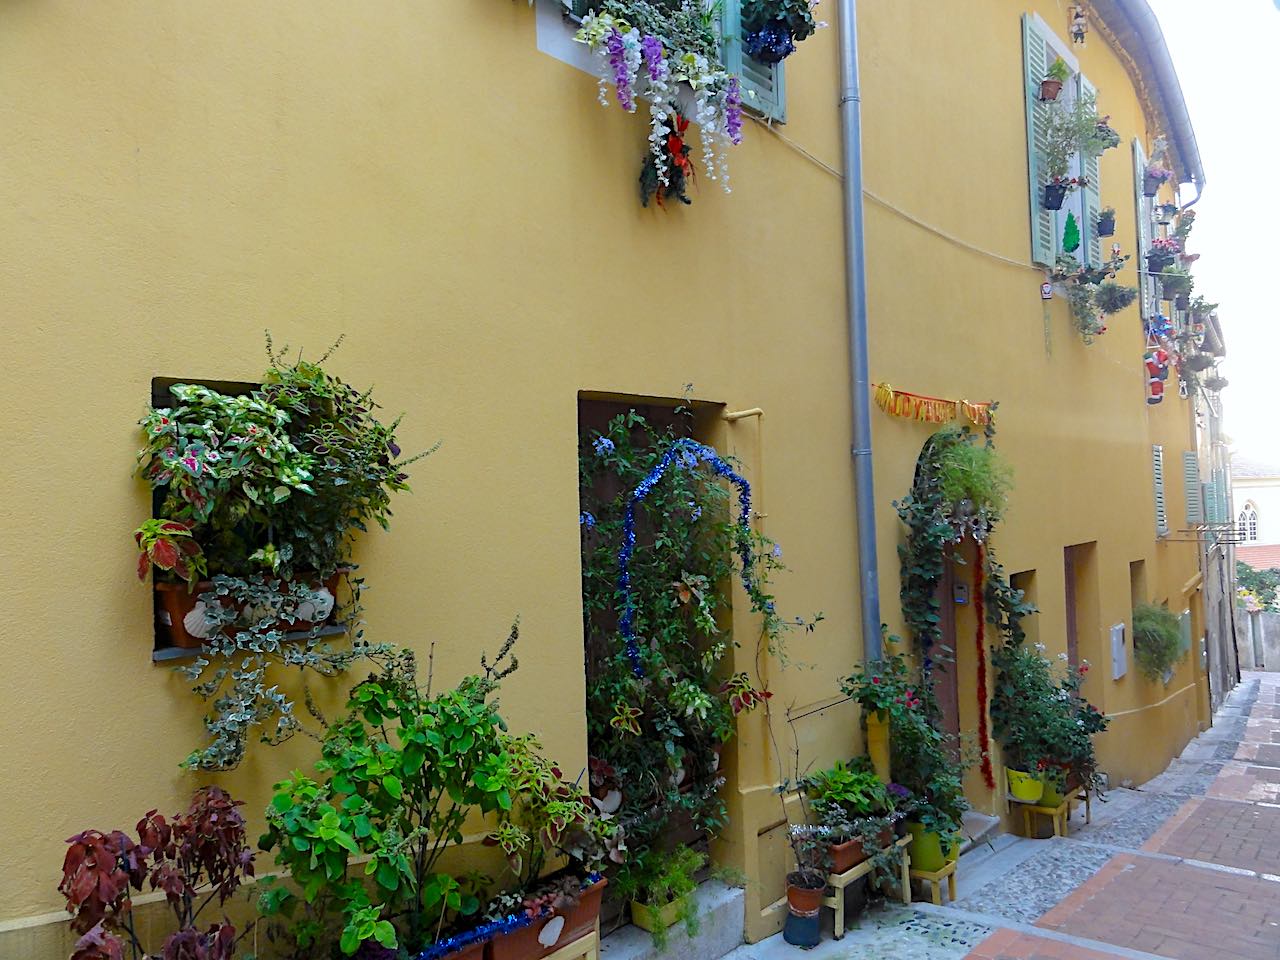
[1185, 868]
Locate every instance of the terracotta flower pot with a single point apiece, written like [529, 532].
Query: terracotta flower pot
[524, 943]
[176, 602]
[802, 899]
[581, 920]
[1049, 89]
[520, 944]
[845, 856]
[472, 952]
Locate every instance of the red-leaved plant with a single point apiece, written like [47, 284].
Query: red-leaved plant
[195, 858]
[169, 545]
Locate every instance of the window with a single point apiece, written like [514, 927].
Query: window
[764, 90]
[1248, 523]
[1040, 48]
[1191, 490]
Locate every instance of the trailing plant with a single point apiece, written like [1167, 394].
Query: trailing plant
[650, 49]
[1176, 281]
[1111, 297]
[1039, 717]
[657, 877]
[659, 704]
[772, 28]
[196, 858]
[1083, 284]
[1186, 221]
[973, 472]
[1157, 640]
[399, 775]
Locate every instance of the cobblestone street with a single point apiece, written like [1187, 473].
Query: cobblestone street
[1187, 867]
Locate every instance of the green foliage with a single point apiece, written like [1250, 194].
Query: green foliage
[1074, 129]
[1111, 297]
[1058, 70]
[657, 877]
[399, 775]
[1157, 640]
[686, 26]
[795, 15]
[855, 792]
[882, 686]
[1176, 281]
[650, 730]
[1263, 584]
[1071, 234]
[971, 471]
[1039, 717]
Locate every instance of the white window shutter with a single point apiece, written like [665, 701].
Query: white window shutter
[1091, 167]
[1157, 472]
[1191, 487]
[764, 89]
[1142, 214]
[1035, 62]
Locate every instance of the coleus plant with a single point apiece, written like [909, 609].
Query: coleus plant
[168, 545]
[194, 858]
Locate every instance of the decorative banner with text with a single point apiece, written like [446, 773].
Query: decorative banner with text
[917, 406]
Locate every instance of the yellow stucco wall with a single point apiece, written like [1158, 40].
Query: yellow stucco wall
[419, 176]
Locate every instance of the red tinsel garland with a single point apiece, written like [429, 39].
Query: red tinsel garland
[979, 611]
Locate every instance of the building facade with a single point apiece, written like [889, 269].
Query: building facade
[438, 182]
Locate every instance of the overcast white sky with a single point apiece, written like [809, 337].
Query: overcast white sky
[1226, 54]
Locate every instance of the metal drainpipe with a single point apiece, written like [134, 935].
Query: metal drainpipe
[856, 296]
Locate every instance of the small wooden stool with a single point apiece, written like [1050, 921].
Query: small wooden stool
[1058, 815]
[584, 948]
[838, 881]
[934, 880]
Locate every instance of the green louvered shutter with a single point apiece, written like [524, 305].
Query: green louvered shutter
[1157, 476]
[1191, 488]
[764, 88]
[1035, 61]
[1091, 168]
[1142, 213]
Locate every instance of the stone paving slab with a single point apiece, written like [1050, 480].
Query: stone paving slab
[1247, 782]
[1037, 883]
[1241, 835]
[1264, 754]
[1013, 945]
[1174, 910]
[1137, 824]
[1186, 777]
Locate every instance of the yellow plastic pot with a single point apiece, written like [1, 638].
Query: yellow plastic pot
[1051, 797]
[652, 918]
[878, 743]
[926, 849]
[1027, 787]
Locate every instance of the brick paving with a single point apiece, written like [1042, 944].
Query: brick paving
[1246, 782]
[1267, 754]
[1241, 835]
[1012, 945]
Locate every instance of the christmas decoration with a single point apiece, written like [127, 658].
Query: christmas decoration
[916, 406]
[1079, 23]
[1156, 361]
[979, 611]
[1071, 234]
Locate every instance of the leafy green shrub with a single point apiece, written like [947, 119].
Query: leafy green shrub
[1157, 640]
[1112, 297]
[657, 877]
[973, 471]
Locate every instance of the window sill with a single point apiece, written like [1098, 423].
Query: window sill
[177, 654]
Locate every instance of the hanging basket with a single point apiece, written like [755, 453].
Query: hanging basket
[1054, 195]
[1107, 226]
[1150, 185]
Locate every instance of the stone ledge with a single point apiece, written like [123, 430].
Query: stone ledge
[722, 910]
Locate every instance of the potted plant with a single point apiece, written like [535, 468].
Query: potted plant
[196, 858]
[1106, 135]
[882, 689]
[1153, 176]
[843, 799]
[1199, 362]
[400, 774]
[661, 885]
[1112, 297]
[1106, 222]
[1176, 282]
[1157, 640]
[772, 28]
[1161, 253]
[1165, 212]
[1057, 74]
[807, 883]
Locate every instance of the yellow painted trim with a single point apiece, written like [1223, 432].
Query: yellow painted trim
[1193, 584]
[1149, 706]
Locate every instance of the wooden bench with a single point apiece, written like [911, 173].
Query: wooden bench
[838, 881]
[584, 948]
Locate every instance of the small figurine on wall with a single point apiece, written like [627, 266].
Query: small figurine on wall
[1079, 23]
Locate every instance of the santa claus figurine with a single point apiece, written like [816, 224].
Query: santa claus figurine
[1156, 360]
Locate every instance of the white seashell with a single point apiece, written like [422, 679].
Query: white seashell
[196, 622]
[611, 802]
[316, 610]
[551, 932]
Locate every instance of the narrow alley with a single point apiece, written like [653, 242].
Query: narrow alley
[1187, 867]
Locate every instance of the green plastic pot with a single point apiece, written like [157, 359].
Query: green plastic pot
[1026, 787]
[926, 849]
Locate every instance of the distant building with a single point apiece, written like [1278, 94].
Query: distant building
[1255, 507]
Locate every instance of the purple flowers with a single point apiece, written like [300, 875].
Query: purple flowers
[770, 44]
[733, 111]
[586, 520]
[651, 47]
[602, 446]
[621, 72]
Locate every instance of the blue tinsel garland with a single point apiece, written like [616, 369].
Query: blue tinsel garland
[486, 931]
[687, 454]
